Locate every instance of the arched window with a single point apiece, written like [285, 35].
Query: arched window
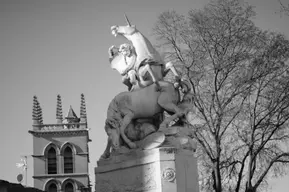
[68, 160]
[68, 187]
[51, 161]
[52, 188]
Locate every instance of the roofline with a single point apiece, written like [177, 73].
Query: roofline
[59, 132]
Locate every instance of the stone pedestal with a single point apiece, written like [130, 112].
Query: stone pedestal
[162, 169]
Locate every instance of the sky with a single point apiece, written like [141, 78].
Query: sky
[50, 47]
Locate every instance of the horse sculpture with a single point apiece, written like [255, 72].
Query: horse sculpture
[144, 103]
[144, 57]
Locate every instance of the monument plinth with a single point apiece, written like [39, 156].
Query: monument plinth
[164, 169]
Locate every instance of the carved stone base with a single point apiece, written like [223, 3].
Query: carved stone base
[164, 169]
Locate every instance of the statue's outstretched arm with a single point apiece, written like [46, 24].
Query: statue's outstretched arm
[112, 51]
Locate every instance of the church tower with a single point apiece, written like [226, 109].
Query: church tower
[60, 150]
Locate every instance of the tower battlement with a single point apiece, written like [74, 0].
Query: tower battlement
[60, 149]
[70, 122]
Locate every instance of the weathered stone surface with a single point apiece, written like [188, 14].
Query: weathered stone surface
[180, 137]
[152, 141]
[171, 130]
[163, 169]
[142, 179]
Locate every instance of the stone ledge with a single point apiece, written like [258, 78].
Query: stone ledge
[60, 175]
[139, 157]
[164, 169]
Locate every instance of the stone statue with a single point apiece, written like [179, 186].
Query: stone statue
[150, 134]
[142, 104]
[135, 119]
[141, 56]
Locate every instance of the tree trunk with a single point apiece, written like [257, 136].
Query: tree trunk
[250, 189]
[217, 178]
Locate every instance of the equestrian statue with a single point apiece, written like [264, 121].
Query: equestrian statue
[139, 58]
[136, 117]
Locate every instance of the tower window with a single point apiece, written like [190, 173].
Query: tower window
[52, 188]
[51, 161]
[68, 160]
[68, 187]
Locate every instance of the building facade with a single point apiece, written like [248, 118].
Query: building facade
[60, 150]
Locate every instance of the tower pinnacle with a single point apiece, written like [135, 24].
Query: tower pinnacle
[59, 116]
[82, 107]
[36, 112]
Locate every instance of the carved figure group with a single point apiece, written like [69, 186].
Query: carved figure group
[140, 57]
[142, 70]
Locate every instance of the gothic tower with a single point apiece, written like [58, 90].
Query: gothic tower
[60, 150]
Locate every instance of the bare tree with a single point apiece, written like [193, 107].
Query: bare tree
[284, 8]
[240, 80]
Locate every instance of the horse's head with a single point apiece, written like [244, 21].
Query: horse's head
[113, 135]
[123, 30]
[126, 31]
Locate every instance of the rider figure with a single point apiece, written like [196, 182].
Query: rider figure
[129, 75]
[146, 54]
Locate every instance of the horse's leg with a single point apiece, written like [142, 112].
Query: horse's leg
[169, 103]
[132, 77]
[125, 122]
[171, 107]
[126, 81]
[170, 66]
[141, 73]
[167, 120]
[149, 69]
[106, 152]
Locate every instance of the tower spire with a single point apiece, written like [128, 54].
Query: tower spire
[59, 116]
[82, 109]
[36, 112]
[40, 114]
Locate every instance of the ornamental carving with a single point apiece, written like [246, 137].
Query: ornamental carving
[169, 174]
